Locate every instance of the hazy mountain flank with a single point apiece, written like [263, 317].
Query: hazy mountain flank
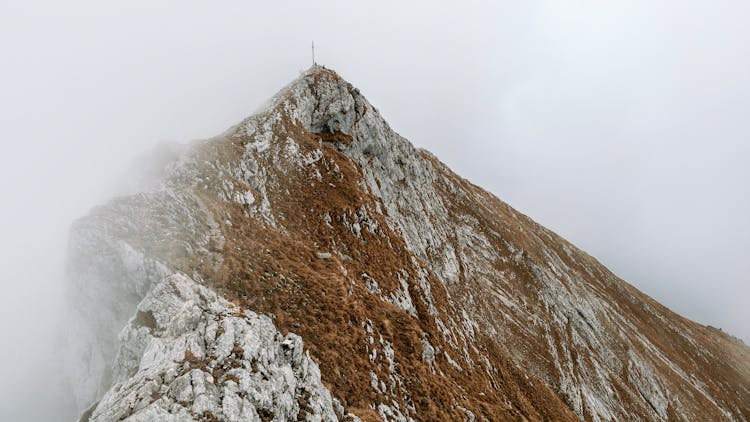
[311, 264]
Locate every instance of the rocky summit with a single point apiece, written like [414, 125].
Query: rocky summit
[311, 264]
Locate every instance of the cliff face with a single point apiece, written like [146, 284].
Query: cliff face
[311, 264]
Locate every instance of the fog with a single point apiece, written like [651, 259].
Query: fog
[622, 125]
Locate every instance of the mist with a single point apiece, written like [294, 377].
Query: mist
[620, 125]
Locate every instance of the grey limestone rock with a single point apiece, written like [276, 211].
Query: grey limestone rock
[187, 354]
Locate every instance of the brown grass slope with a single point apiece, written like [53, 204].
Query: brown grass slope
[275, 270]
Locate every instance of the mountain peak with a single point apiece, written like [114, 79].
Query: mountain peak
[313, 229]
[331, 103]
[323, 105]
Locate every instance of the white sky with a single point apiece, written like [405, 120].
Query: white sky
[622, 125]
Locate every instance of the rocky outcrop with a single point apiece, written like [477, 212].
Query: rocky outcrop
[188, 354]
[418, 295]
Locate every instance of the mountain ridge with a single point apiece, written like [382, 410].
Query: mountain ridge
[420, 295]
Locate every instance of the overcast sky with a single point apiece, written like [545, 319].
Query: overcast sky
[622, 125]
